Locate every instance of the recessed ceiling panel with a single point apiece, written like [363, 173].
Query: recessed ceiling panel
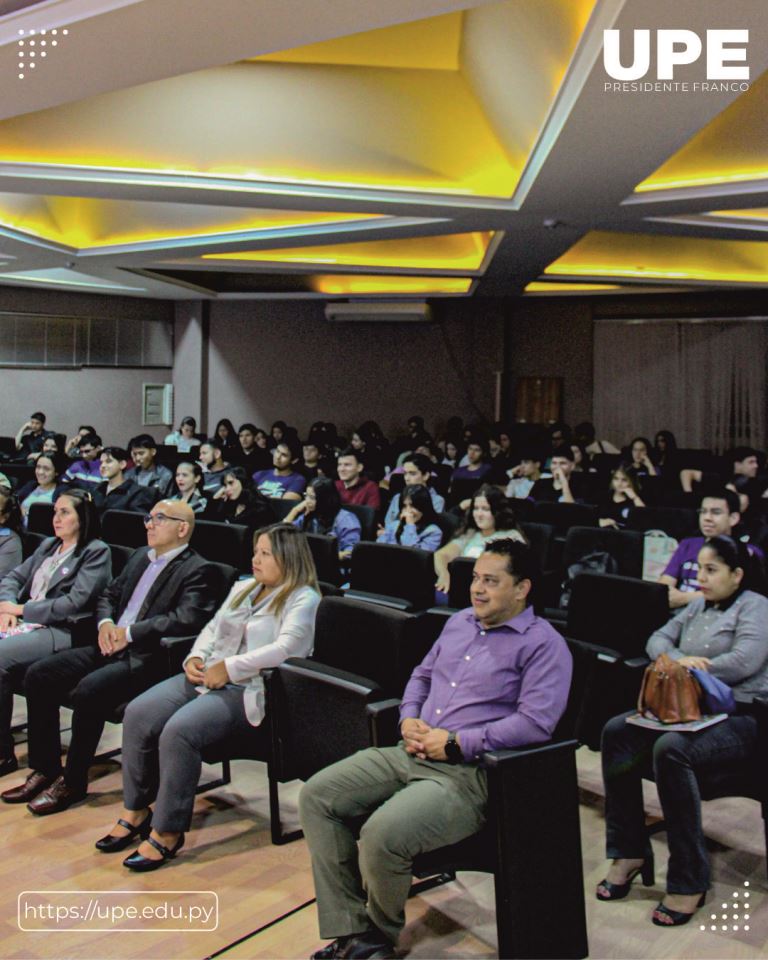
[460, 251]
[640, 256]
[340, 285]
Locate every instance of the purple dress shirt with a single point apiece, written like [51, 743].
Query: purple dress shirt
[502, 687]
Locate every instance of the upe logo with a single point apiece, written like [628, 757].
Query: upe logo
[677, 48]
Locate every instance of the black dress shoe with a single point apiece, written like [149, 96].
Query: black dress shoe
[35, 783]
[334, 950]
[11, 765]
[372, 945]
[110, 844]
[56, 798]
[141, 864]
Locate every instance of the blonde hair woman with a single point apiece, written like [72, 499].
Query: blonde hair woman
[220, 695]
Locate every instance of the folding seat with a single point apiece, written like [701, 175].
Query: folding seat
[230, 543]
[124, 527]
[325, 553]
[398, 576]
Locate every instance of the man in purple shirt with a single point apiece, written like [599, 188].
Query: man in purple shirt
[282, 482]
[718, 516]
[497, 677]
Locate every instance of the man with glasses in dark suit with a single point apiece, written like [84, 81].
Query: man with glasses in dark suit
[165, 590]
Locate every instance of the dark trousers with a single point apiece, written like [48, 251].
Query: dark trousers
[94, 685]
[676, 761]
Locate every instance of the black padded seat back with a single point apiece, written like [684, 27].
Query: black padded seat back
[523, 509]
[230, 543]
[18, 473]
[367, 518]
[462, 490]
[40, 519]
[169, 456]
[619, 613]
[562, 516]
[370, 640]
[325, 553]
[460, 571]
[676, 522]
[406, 573]
[281, 508]
[449, 523]
[540, 537]
[30, 542]
[625, 546]
[317, 716]
[124, 527]
[120, 556]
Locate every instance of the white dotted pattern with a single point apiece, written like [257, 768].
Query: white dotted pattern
[734, 916]
[27, 55]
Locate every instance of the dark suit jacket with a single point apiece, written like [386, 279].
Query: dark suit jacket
[74, 586]
[128, 496]
[181, 601]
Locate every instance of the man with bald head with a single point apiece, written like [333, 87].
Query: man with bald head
[165, 590]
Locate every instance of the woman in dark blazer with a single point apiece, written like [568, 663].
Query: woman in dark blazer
[60, 581]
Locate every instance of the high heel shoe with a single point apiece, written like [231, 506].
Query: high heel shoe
[676, 917]
[141, 864]
[617, 891]
[112, 844]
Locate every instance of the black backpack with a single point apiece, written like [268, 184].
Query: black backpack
[597, 562]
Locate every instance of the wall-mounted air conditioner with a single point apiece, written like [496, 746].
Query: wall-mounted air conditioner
[375, 312]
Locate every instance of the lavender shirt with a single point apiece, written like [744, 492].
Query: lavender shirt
[497, 688]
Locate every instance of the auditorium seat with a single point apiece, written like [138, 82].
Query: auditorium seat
[124, 527]
[40, 519]
[230, 543]
[387, 573]
[325, 553]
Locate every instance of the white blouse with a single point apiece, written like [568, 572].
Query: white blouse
[251, 638]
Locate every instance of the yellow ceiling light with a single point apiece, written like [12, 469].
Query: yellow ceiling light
[458, 251]
[431, 44]
[349, 284]
[554, 287]
[439, 123]
[729, 149]
[86, 223]
[634, 255]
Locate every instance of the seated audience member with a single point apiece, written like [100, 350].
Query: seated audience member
[11, 529]
[212, 462]
[415, 525]
[641, 463]
[189, 486]
[165, 590]
[31, 436]
[277, 432]
[184, 438]
[219, 697]
[429, 791]
[226, 436]
[739, 469]
[353, 487]
[238, 501]
[584, 436]
[723, 632]
[119, 492]
[38, 599]
[453, 452]
[253, 452]
[147, 472]
[72, 447]
[559, 438]
[86, 472]
[43, 488]
[415, 435]
[315, 461]
[5, 483]
[523, 477]
[478, 461]
[563, 486]
[500, 446]
[718, 516]
[282, 481]
[50, 447]
[489, 517]
[664, 453]
[321, 512]
[624, 496]
[417, 471]
[371, 444]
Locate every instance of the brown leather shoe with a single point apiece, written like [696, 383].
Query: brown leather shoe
[55, 799]
[35, 783]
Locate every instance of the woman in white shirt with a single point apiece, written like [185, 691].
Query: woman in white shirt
[184, 438]
[220, 695]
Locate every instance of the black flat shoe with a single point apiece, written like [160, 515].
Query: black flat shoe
[110, 844]
[676, 917]
[11, 765]
[617, 891]
[141, 864]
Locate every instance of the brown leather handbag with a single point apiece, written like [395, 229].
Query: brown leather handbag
[669, 693]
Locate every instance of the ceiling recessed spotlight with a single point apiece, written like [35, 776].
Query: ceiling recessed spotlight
[32, 65]
[42, 53]
[21, 76]
[54, 32]
[65, 32]
[54, 43]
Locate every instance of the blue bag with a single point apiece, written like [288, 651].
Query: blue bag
[716, 696]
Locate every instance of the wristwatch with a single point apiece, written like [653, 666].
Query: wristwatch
[453, 752]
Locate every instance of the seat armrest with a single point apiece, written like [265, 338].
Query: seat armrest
[637, 663]
[169, 643]
[176, 649]
[396, 603]
[384, 719]
[501, 759]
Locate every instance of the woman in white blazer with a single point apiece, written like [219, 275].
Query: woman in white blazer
[220, 695]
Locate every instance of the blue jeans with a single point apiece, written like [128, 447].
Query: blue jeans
[675, 761]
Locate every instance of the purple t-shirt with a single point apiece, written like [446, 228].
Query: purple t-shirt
[684, 563]
[500, 687]
[272, 485]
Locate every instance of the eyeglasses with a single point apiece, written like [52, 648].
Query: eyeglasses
[159, 518]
